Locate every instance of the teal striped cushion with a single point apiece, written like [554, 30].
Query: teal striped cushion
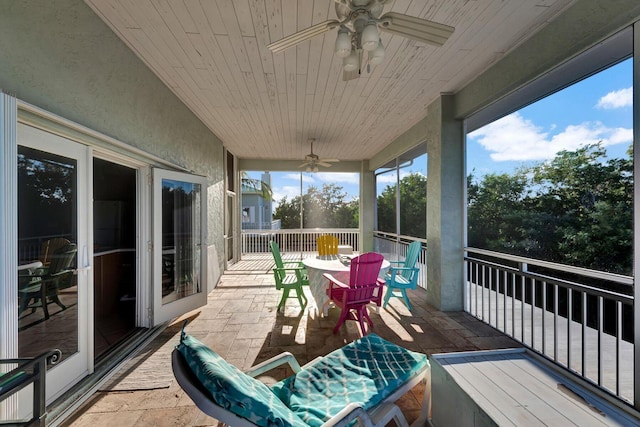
[365, 371]
[234, 390]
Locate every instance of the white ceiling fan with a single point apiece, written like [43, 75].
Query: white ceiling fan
[312, 161]
[359, 22]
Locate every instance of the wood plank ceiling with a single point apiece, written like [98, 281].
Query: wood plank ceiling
[213, 56]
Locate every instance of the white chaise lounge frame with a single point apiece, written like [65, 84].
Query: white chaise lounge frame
[379, 416]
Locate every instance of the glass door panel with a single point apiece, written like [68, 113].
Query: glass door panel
[53, 256]
[230, 229]
[179, 250]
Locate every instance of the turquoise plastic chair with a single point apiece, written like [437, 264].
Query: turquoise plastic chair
[289, 275]
[403, 276]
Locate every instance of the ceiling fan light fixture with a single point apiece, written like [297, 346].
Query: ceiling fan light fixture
[376, 56]
[370, 36]
[343, 43]
[350, 63]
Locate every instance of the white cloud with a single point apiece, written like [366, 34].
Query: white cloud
[290, 191]
[339, 177]
[390, 178]
[387, 178]
[616, 99]
[515, 138]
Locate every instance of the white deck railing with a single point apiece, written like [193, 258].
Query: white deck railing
[394, 247]
[295, 240]
[580, 319]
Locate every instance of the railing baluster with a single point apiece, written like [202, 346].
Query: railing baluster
[504, 303]
[522, 316]
[489, 294]
[476, 291]
[618, 343]
[584, 333]
[482, 292]
[569, 317]
[513, 305]
[544, 318]
[555, 322]
[469, 283]
[600, 328]
[533, 312]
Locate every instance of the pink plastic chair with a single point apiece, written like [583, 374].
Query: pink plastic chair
[363, 288]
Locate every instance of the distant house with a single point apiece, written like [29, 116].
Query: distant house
[257, 211]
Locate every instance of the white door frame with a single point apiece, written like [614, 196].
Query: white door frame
[64, 375]
[164, 312]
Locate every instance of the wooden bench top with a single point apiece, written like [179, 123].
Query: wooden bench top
[514, 388]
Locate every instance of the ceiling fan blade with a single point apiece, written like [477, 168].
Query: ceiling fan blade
[414, 28]
[326, 165]
[300, 36]
[329, 160]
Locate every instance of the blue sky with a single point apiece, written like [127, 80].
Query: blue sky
[598, 108]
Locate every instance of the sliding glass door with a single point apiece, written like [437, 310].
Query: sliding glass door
[54, 257]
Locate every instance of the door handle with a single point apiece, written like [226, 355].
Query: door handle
[85, 260]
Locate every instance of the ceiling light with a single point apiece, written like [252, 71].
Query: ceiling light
[376, 56]
[350, 63]
[370, 36]
[343, 43]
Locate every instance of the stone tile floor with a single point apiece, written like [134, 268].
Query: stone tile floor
[241, 323]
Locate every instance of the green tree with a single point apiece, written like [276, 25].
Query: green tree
[575, 209]
[386, 204]
[413, 206]
[496, 206]
[590, 199]
[322, 208]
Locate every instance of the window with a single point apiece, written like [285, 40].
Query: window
[403, 212]
[554, 181]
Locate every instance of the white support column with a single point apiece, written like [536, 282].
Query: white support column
[367, 201]
[8, 236]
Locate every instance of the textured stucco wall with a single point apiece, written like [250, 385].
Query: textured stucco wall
[59, 56]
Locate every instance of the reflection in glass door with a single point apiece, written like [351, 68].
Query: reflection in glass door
[47, 253]
[53, 255]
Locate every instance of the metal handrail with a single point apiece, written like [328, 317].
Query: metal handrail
[595, 274]
[562, 320]
[29, 371]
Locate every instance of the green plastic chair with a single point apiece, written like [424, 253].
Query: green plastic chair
[289, 275]
[403, 276]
